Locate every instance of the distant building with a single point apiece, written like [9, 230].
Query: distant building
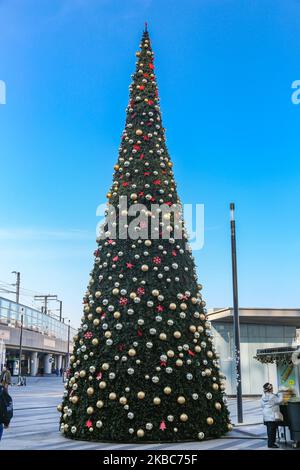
[260, 328]
[44, 343]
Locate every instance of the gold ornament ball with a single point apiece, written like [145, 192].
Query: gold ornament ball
[155, 292]
[72, 359]
[133, 196]
[144, 268]
[184, 417]
[156, 400]
[215, 386]
[95, 341]
[167, 390]
[197, 349]
[141, 395]
[148, 242]
[183, 306]
[194, 300]
[90, 316]
[170, 353]
[90, 391]
[140, 433]
[116, 167]
[123, 400]
[74, 399]
[210, 354]
[222, 387]
[90, 410]
[200, 329]
[115, 291]
[107, 334]
[207, 372]
[131, 352]
[139, 132]
[181, 400]
[105, 366]
[218, 405]
[192, 328]
[229, 427]
[179, 363]
[108, 195]
[98, 294]
[209, 421]
[82, 373]
[59, 408]
[163, 336]
[102, 385]
[172, 306]
[177, 334]
[98, 309]
[66, 427]
[132, 295]
[117, 315]
[112, 396]
[99, 404]
[96, 322]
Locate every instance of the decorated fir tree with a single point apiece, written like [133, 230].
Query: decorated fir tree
[144, 367]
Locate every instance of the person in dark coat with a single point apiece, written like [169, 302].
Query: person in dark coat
[6, 409]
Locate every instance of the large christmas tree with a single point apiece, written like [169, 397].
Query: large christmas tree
[144, 367]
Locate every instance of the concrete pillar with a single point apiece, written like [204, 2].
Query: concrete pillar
[34, 364]
[59, 361]
[47, 363]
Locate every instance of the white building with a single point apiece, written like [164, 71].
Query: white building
[260, 328]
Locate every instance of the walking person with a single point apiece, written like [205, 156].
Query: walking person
[271, 413]
[6, 409]
[5, 378]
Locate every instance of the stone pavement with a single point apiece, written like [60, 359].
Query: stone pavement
[35, 425]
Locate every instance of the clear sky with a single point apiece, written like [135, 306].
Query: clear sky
[224, 68]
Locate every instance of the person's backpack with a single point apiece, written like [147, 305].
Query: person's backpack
[6, 407]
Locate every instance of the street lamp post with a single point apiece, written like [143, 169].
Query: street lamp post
[20, 346]
[68, 354]
[60, 310]
[236, 320]
[18, 282]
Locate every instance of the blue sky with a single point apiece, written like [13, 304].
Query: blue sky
[224, 68]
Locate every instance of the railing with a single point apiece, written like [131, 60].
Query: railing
[33, 320]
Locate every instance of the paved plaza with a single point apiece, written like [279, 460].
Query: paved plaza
[35, 425]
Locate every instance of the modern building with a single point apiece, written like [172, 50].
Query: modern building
[46, 341]
[260, 328]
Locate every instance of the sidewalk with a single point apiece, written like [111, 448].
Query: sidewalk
[35, 424]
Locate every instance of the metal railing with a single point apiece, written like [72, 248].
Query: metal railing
[33, 320]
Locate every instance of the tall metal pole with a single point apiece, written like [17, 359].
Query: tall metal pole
[236, 321]
[60, 310]
[18, 282]
[20, 346]
[68, 355]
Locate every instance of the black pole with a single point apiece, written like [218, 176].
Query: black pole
[20, 346]
[68, 355]
[236, 321]
[60, 310]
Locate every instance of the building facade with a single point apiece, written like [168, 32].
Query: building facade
[259, 329]
[46, 341]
